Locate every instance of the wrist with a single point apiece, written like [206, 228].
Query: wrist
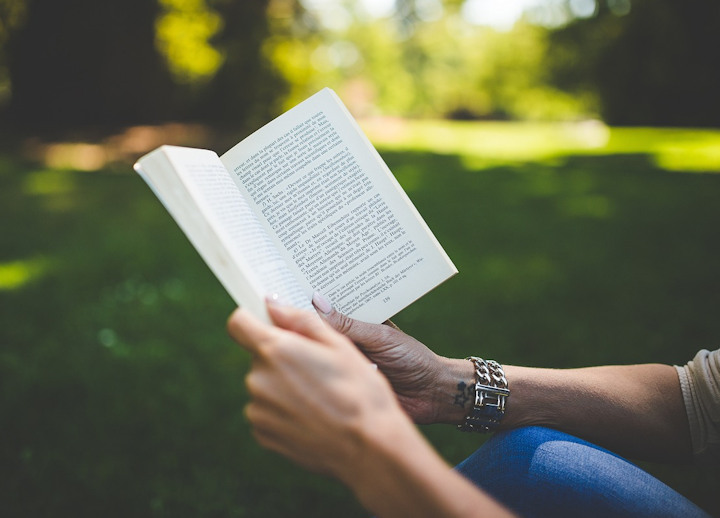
[399, 474]
[490, 396]
[453, 395]
[532, 402]
[383, 446]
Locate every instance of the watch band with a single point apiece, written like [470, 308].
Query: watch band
[491, 393]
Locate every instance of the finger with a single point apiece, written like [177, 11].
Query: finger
[359, 332]
[248, 331]
[266, 417]
[266, 390]
[276, 433]
[271, 440]
[299, 321]
[265, 426]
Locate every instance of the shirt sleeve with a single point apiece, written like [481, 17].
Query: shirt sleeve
[700, 385]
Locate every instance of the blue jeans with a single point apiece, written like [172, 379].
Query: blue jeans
[541, 472]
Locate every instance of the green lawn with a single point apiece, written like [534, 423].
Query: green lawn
[120, 394]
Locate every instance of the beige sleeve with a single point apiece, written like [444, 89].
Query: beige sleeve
[700, 384]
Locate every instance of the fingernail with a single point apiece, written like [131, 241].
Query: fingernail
[321, 303]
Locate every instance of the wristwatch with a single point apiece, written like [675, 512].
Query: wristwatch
[491, 393]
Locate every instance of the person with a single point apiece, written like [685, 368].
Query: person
[340, 397]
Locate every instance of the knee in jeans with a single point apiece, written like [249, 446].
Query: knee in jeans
[521, 454]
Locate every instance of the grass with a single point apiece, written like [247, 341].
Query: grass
[120, 394]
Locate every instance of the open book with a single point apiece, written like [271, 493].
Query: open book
[303, 204]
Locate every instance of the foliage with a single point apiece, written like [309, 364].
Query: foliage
[659, 64]
[83, 62]
[12, 14]
[183, 34]
[121, 395]
[245, 89]
[440, 67]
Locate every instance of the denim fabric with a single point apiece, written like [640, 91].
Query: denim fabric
[541, 472]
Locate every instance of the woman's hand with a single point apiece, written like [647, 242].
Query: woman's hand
[428, 386]
[315, 398]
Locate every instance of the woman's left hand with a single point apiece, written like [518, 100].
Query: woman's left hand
[315, 398]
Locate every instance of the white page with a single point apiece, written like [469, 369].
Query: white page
[226, 231]
[336, 212]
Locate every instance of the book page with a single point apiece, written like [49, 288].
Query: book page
[336, 212]
[224, 229]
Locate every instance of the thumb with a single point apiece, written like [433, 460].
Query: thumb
[359, 332]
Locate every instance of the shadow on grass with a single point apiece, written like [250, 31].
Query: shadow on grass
[121, 395]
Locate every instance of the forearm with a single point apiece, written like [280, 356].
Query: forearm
[633, 410]
[399, 474]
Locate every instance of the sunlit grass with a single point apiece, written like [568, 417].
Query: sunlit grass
[575, 246]
[499, 141]
[495, 143]
[16, 274]
[49, 182]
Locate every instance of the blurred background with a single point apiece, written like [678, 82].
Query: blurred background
[565, 153]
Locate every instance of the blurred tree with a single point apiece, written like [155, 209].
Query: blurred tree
[422, 59]
[86, 62]
[183, 33]
[12, 15]
[114, 62]
[651, 62]
[246, 87]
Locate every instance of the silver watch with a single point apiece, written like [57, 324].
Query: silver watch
[491, 393]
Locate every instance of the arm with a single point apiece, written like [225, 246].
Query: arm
[317, 400]
[634, 410]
